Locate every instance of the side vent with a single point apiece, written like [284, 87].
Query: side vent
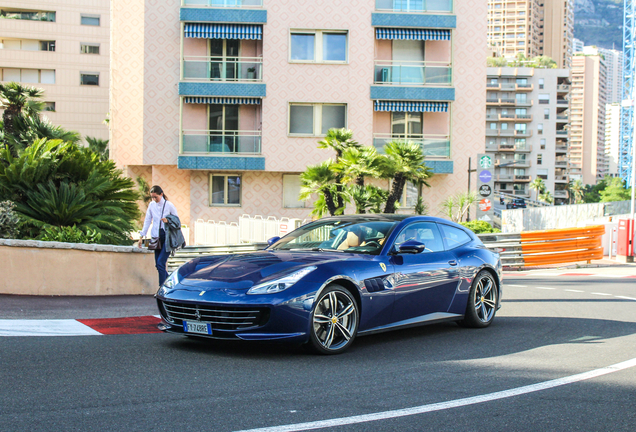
[374, 285]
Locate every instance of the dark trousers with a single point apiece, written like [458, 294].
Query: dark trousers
[161, 258]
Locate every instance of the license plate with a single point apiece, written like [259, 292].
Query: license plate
[197, 327]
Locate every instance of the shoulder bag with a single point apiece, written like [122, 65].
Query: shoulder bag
[154, 243]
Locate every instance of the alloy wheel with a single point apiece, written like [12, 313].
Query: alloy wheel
[335, 320]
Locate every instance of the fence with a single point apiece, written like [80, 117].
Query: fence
[248, 229]
[558, 217]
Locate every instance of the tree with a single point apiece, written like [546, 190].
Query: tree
[99, 146]
[338, 140]
[616, 191]
[456, 206]
[32, 126]
[321, 180]
[546, 197]
[356, 163]
[404, 161]
[538, 185]
[17, 99]
[576, 191]
[367, 197]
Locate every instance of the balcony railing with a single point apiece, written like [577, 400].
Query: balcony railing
[414, 6]
[561, 178]
[223, 69]
[223, 3]
[520, 117]
[561, 149]
[562, 132]
[521, 192]
[562, 102]
[436, 146]
[523, 178]
[413, 73]
[560, 194]
[563, 88]
[524, 87]
[562, 117]
[221, 143]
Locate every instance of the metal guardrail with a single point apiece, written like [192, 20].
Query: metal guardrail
[188, 253]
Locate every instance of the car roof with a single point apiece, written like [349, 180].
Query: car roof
[383, 217]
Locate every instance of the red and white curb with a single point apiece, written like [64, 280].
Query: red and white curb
[81, 327]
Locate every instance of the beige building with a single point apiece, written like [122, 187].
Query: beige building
[587, 111]
[533, 28]
[526, 129]
[612, 137]
[62, 47]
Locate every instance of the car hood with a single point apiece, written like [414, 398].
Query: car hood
[242, 271]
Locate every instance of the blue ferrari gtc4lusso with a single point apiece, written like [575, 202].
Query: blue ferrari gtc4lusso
[333, 279]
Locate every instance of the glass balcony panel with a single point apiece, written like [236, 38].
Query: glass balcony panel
[222, 142]
[224, 3]
[414, 6]
[434, 146]
[412, 73]
[218, 69]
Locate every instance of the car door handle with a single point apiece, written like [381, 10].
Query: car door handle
[453, 262]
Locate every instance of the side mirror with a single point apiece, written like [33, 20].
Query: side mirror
[411, 247]
[272, 240]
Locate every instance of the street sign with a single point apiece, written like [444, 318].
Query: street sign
[485, 187]
[485, 205]
[485, 176]
[485, 161]
[485, 190]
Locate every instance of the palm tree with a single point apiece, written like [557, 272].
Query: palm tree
[404, 161]
[17, 100]
[99, 146]
[538, 185]
[577, 190]
[338, 140]
[356, 163]
[320, 179]
[546, 197]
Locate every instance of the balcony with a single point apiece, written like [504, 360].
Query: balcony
[503, 178]
[240, 69]
[524, 87]
[522, 178]
[561, 162]
[433, 146]
[562, 118]
[508, 133]
[407, 73]
[516, 117]
[561, 149]
[493, 86]
[562, 102]
[500, 101]
[563, 88]
[414, 6]
[221, 143]
[561, 179]
[562, 133]
[560, 194]
[223, 3]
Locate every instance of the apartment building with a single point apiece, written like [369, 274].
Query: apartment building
[223, 103]
[587, 117]
[532, 28]
[527, 129]
[612, 137]
[62, 47]
[614, 80]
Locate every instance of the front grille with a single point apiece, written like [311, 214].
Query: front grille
[220, 317]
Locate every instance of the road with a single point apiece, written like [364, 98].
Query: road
[549, 327]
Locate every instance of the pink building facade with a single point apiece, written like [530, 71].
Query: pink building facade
[222, 102]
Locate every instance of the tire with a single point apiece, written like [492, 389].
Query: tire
[508, 206]
[482, 301]
[328, 336]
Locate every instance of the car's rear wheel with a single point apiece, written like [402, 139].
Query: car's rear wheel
[334, 321]
[482, 301]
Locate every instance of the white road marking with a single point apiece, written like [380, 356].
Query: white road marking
[545, 288]
[519, 286]
[450, 404]
[59, 327]
[626, 298]
[576, 291]
[601, 294]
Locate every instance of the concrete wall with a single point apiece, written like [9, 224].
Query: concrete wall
[30, 267]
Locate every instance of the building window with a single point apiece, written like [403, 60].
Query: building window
[546, 114]
[407, 124]
[540, 128]
[89, 78]
[318, 46]
[89, 48]
[225, 190]
[291, 190]
[409, 196]
[542, 143]
[521, 111]
[521, 98]
[542, 174]
[520, 143]
[504, 126]
[539, 159]
[47, 45]
[544, 99]
[316, 119]
[28, 76]
[48, 106]
[541, 83]
[28, 15]
[520, 127]
[91, 20]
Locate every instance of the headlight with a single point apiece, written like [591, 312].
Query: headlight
[281, 284]
[172, 280]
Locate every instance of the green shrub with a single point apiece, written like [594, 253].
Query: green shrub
[9, 221]
[70, 235]
[480, 227]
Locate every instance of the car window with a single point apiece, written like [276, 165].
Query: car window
[423, 232]
[454, 236]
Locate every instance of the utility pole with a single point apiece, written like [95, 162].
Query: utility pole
[469, 173]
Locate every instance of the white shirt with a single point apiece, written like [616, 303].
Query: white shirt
[154, 215]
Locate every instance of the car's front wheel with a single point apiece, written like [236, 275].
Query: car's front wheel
[482, 301]
[334, 320]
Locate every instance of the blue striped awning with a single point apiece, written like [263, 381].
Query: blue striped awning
[223, 100]
[223, 31]
[408, 106]
[412, 34]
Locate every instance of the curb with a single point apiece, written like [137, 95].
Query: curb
[80, 327]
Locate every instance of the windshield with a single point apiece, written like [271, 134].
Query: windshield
[357, 236]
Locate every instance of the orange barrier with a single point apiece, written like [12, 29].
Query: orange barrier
[562, 245]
